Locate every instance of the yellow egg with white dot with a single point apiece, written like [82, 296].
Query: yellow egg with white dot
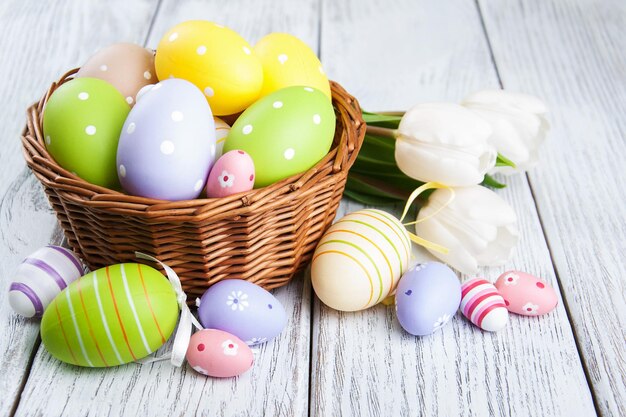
[360, 259]
[287, 61]
[214, 58]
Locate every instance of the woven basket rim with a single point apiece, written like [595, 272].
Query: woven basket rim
[341, 156]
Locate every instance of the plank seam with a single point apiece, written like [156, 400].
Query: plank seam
[57, 229]
[29, 367]
[157, 10]
[312, 305]
[543, 232]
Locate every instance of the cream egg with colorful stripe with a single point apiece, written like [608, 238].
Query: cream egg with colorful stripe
[115, 315]
[360, 259]
[221, 132]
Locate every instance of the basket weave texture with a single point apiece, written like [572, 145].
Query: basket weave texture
[265, 236]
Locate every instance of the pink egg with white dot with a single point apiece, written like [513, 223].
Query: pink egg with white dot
[526, 294]
[233, 173]
[217, 353]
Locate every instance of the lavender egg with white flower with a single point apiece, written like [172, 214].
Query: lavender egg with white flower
[427, 297]
[243, 309]
[167, 145]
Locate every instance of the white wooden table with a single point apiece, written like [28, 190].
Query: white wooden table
[390, 55]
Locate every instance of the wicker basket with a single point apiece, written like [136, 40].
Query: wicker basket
[264, 236]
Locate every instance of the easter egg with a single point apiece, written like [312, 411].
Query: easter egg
[82, 122]
[127, 66]
[360, 259]
[428, 295]
[244, 309]
[167, 145]
[111, 316]
[221, 132]
[286, 133]
[233, 173]
[216, 59]
[526, 294]
[40, 277]
[287, 61]
[217, 353]
[483, 305]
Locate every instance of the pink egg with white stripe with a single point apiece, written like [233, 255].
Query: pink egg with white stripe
[483, 305]
[41, 277]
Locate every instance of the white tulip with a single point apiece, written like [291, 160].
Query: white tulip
[518, 122]
[445, 143]
[478, 227]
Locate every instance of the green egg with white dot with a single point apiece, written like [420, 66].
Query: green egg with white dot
[286, 133]
[82, 122]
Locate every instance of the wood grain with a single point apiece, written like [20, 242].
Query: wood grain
[572, 54]
[391, 57]
[364, 363]
[277, 385]
[38, 43]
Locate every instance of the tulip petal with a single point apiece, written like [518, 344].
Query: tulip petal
[478, 227]
[457, 257]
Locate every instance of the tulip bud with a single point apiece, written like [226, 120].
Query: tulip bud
[518, 122]
[477, 226]
[445, 143]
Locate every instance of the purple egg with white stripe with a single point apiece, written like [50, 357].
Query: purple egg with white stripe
[41, 277]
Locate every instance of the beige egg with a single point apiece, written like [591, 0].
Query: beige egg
[128, 67]
[360, 260]
[221, 132]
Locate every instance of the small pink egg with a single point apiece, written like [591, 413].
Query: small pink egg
[526, 294]
[483, 305]
[233, 173]
[217, 353]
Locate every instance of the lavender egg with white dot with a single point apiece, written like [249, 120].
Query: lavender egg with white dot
[243, 309]
[427, 297]
[167, 145]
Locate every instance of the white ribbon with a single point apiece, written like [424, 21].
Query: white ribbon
[183, 334]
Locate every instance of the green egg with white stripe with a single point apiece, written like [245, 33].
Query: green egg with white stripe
[360, 259]
[111, 316]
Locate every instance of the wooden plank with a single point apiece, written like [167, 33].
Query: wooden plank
[37, 46]
[277, 385]
[572, 53]
[364, 363]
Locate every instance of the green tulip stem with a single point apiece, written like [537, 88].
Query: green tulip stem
[391, 113]
[382, 132]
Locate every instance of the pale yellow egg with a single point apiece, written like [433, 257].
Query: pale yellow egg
[360, 260]
[221, 132]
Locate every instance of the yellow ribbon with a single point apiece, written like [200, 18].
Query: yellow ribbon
[421, 241]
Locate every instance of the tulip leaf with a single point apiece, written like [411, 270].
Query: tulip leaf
[380, 142]
[368, 199]
[503, 161]
[366, 184]
[490, 182]
[382, 120]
